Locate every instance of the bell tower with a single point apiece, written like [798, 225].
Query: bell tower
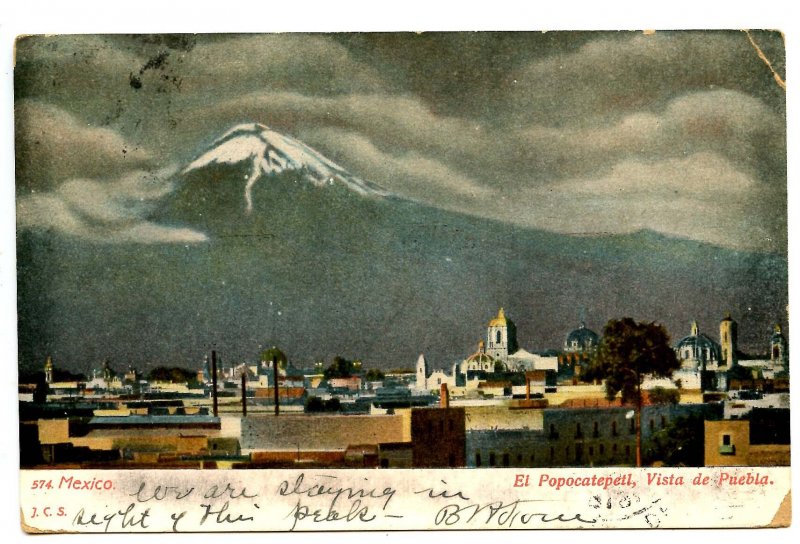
[48, 370]
[422, 372]
[501, 337]
[728, 338]
[777, 348]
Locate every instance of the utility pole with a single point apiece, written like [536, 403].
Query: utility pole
[275, 385]
[244, 392]
[214, 381]
[638, 417]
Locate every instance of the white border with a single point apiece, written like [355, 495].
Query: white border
[138, 16]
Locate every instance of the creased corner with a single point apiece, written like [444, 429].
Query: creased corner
[783, 517]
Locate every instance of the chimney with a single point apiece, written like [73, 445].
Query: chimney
[275, 385]
[444, 396]
[214, 381]
[244, 392]
[527, 386]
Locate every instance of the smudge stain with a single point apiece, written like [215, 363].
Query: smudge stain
[153, 63]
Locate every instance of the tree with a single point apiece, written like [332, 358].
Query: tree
[316, 404]
[340, 368]
[680, 444]
[374, 375]
[627, 353]
[661, 395]
[274, 353]
[171, 374]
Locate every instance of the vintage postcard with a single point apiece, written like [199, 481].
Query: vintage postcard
[402, 281]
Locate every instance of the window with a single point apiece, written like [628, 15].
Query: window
[519, 458]
[595, 430]
[613, 428]
[663, 421]
[552, 454]
[533, 459]
[553, 432]
[499, 337]
[506, 459]
[727, 447]
[633, 425]
[627, 452]
[492, 459]
[602, 449]
[652, 425]
[578, 431]
[478, 459]
[591, 451]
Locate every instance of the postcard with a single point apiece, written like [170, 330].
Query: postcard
[402, 281]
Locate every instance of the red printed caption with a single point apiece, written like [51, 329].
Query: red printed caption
[724, 478]
[70, 482]
[65, 482]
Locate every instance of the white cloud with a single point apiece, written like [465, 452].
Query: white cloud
[54, 145]
[105, 211]
[700, 197]
[410, 174]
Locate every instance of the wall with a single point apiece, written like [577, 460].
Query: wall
[318, 432]
[739, 432]
[438, 437]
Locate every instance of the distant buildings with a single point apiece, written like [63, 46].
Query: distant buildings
[579, 348]
[719, 366]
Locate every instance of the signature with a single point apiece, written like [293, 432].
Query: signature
[501, 514]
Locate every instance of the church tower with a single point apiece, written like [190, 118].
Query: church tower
[728, 337]
[777, 348]
[422, 372]
[501, 337]
[48, 370]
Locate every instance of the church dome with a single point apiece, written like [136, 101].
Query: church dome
[698, 341]
[697, 347]
[480, 358]
[581, 339]
[500, 320]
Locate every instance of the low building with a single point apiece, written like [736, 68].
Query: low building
[438, 437]
[396, 455]
[762, 440]
[264, 433]
[599, 436]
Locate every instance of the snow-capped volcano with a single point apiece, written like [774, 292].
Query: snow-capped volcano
[271, 153]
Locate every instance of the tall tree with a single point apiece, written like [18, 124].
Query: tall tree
[628, 352]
